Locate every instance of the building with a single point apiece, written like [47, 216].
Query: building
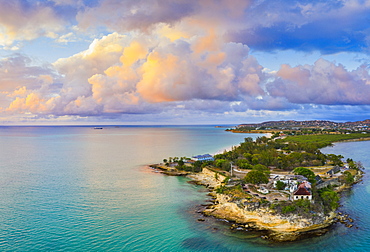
[303, 192]
[336, 169]
[202, 158]
[318, 179]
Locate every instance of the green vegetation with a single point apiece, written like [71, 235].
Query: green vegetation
[270, 153]
[288, 208]
[235, 192]
[324, 140]
[256, 177]
[263, 153]
[293, 154]
[335, 159]
[280, 185]
[348, 178]
[329, 199]
[301, 207]
[224, 164]
[310, 175]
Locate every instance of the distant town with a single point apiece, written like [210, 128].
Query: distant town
[316, 125]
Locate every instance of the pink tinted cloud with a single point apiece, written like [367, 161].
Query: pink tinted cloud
[322, 83]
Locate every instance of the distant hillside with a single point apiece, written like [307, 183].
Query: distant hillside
[307, 124]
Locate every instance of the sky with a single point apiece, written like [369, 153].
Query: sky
[183, 61]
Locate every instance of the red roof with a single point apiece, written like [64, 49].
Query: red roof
[305, 184]
[302, 191]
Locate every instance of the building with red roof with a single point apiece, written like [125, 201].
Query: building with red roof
[302, 192]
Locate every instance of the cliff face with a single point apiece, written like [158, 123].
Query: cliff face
[282, 227]
[208, 178]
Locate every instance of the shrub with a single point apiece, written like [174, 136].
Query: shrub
[348, 177]
[287, 209]
[220, 189]
[330, 198]
[303, 205]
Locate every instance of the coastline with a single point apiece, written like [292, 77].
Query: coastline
[244, 215]
[226, 149]
[276, 228]
[354, 140]
[259, 218]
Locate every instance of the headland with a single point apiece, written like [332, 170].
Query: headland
[282, 185]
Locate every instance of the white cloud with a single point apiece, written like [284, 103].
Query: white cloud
[19, 21]
[322, 83]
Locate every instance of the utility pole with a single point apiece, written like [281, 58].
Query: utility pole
[231, 168]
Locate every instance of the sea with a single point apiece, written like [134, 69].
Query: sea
[77, 188]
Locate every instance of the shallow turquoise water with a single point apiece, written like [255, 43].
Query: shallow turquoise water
[80, 189]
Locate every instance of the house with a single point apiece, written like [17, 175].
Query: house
[205, 157]
[336, 169]
[295, 177]
[292, 188]
[318, 179]
[303, 191]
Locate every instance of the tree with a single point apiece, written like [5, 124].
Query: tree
[348, 177]
[330, 199]
[280, 185]
[351, 163]
[262, 168]
[243, 164]
[197, 166]
[256, 177]
[335, 159]
[180, 162]
[219, 162]
[310, 175]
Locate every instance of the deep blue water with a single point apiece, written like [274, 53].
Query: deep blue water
[80, 189]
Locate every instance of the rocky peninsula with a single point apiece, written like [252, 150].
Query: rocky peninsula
[252, 214]
[258, 186]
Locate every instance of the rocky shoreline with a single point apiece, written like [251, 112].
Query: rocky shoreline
[244, 215]
[256, 217]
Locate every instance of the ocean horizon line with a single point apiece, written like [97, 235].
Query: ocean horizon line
[121, 125]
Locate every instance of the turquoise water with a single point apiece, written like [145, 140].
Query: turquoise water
[80, 189]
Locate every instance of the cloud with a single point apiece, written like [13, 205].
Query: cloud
[24, 20]
[18, 70]
[146, 74]
[181, 57]
[165, 71]
[139, 74]
[322, 83]
[326, 26]
[122, 16]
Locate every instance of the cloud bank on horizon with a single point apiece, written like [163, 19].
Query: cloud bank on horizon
[182, 61]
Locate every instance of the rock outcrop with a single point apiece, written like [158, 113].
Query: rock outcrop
[282, 227]
[286, 227]
[208, 178]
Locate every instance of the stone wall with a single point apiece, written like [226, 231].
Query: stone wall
[332, 182]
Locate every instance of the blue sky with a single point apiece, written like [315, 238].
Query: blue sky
[183, 61]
